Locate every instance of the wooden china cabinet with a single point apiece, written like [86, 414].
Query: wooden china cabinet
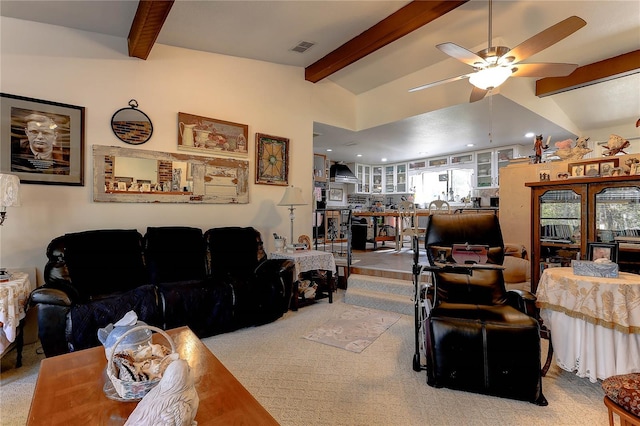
[566, 215]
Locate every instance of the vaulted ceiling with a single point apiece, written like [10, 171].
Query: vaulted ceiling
[379, 49]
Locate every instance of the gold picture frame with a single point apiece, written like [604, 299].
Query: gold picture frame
[272, 160]
[211, 136]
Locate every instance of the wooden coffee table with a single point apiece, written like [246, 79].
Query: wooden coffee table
[69, 389]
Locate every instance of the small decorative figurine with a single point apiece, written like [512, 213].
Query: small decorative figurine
[615, 145]
[538, 147]
[173, 402]
[566, 152]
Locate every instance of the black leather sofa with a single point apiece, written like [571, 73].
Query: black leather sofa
[213, 282]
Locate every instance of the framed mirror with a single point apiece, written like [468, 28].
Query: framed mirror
[129, 175]
[131, 125]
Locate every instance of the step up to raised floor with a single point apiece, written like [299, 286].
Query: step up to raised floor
[383, 293]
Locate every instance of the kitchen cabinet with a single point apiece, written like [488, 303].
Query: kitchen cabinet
[567, 215]
[320, 168]
[489, 163]
[363, 173]
[395, 178]
[377, 185]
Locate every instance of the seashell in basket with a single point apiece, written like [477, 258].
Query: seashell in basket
[133, 378]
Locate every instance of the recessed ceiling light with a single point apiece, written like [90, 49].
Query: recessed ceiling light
[358, 155]
[470, 144]
[329, 150]
[383, 159]
[529, 135]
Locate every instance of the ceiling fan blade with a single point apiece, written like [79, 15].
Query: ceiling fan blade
[545, 38]
[462, 54]
[436, 83]
[543, 70]
[477, 94]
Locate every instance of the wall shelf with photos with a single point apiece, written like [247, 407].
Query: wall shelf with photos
[567, 215]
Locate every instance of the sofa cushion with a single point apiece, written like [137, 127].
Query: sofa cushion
[205, 306]
[87, 318]
[174, 253]
[105, 261]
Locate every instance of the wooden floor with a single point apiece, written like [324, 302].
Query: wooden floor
[385, 261]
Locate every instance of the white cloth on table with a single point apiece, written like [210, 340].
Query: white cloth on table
[13, 297]
[594, 321]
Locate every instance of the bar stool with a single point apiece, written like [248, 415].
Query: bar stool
[622, 396]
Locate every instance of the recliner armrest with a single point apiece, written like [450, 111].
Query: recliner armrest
[49, 296]
[524, 301]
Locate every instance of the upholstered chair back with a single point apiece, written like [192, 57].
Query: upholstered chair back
[97, 262]
[175, 254]
[478, 286]
[234, 250]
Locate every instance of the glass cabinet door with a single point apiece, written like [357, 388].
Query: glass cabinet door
[401, 178]
[484, 169]
[363, 173]
[376, 174]
[389, 181]
[617, 220]
[561, 227]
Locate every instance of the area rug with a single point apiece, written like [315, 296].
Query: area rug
[355, 329]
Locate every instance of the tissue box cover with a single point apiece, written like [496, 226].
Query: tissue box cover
[592, 269]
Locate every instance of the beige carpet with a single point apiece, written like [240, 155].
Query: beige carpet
[355, 329]
[301, 382]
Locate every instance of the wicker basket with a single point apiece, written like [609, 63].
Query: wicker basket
[131, 390]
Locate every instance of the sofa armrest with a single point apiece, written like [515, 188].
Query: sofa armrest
[283, 269]
[53, 306]
[49, 296]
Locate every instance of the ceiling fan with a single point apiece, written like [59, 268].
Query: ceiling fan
[495, 64]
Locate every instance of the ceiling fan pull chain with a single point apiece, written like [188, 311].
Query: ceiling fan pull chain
[490, 23]
[490, 119]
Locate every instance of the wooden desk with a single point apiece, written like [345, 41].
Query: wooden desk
[69, 389]
[594, 322]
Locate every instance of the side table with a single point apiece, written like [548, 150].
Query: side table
[13, 296]
[307, 261]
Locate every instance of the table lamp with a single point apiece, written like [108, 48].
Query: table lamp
[9, 193]
[9, 197]
[292, 197]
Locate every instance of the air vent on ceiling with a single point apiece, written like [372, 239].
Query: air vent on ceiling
[303, 46]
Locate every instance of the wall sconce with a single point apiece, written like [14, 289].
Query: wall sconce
[9, 193]
[292, 197]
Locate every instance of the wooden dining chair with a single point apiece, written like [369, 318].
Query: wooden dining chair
[408, 226]
[439, 206]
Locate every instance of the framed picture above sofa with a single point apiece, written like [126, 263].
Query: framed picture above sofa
[42, 141]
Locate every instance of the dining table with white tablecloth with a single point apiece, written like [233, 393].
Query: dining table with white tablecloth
[594, 321]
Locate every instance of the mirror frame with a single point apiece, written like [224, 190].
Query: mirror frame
[207, 173]
[128, 130]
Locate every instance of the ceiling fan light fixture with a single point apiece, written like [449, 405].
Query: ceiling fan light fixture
[490, 78]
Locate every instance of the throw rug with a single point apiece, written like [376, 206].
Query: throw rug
[355, 329]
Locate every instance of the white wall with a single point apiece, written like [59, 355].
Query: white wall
[92, 70]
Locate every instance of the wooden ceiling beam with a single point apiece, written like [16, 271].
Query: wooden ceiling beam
[598, 72]
[146, 26]
[407, 19]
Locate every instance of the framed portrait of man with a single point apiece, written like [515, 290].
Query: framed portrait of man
[42, 142]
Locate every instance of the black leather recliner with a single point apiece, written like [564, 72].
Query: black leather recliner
[477, 339]
[93, 278]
